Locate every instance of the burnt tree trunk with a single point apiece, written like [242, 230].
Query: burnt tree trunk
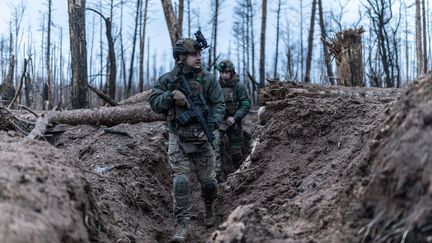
[278, 13]
[48, 57]
[18, 92]
[76, 9]
[346, 47]
[112, 64]
[326, 54]
[425, 34]
[310, 42]
[7, 88]
[142, 45]
[180, 18]
[171, 21]
[419, 51]
[262, 44]
[129, 87]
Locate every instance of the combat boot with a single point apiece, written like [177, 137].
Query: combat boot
[209, 216]
[182, 232]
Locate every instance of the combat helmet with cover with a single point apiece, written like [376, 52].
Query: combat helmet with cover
[226, 66]
[185, 46]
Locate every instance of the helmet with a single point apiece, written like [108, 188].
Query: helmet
[185, 46]
[225, 65]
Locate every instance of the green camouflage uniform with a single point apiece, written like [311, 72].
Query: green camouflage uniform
[237, 105]
[188, 153]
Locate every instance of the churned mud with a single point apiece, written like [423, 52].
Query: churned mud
[325, 164]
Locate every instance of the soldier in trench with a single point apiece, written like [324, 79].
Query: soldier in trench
[237, 106]
[189, 148]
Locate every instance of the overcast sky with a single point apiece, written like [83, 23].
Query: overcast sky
[157, 30]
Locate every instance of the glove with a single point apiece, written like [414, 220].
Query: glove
[230, 121]
[180, 98]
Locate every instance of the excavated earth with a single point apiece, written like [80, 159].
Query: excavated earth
[325, 164]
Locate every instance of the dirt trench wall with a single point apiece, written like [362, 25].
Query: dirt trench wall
[42, 197]
[300, 185]
[129, 177]
[398, 198]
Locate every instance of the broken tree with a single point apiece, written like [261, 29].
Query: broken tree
[346, 47]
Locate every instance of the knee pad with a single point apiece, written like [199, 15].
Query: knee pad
[209, 191]
[181, 184]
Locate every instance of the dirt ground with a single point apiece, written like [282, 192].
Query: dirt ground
[325, 164]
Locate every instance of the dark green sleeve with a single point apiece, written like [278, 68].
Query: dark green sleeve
[244, 102]
[161, 99]
[216, 101]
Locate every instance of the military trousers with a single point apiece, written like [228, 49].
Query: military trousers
[236, 140]
[200, 162]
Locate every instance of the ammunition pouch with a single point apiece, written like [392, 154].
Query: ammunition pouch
[186, 117]
[191, 133]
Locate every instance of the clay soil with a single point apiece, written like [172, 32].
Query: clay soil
[326, 165]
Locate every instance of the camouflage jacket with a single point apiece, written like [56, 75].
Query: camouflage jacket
[161, 99]
[236, 99]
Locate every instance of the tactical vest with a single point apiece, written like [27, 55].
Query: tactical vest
[231, 100]
[192, 131]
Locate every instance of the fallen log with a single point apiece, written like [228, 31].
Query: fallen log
[108, 116]
[138, 98]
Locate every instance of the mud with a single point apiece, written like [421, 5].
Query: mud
[321, 168]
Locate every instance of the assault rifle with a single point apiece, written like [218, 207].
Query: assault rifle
[196, 110]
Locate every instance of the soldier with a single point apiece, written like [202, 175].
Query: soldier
[237, 106]
[189, 148]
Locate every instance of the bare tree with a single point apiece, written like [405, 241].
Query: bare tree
[262, 43]
[252, 34]
[419, 51]
[380, 13]
[7, 89]
[310, 42]
[17, 17]
[61, 66]
[326, 54]
[278, 12]
[407, 66]
[425, 59]
[122, 49]
[215, 22]
[112, 63]
[134, 39]
[288, 54]
[142, 45]
[171, 21]
[76, 9]
[48, 57]
[188, 2]
[148, 63]
[180, 18]
[301, 41]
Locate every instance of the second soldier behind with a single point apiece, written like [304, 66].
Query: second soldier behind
[237, 107]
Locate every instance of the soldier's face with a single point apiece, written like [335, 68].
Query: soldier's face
[225, 75]
[193, 60]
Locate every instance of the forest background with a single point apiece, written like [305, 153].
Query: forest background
[39, 29]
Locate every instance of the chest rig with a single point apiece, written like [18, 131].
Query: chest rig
[231, 100]
[186, 120]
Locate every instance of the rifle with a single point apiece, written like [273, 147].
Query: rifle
[196, 110]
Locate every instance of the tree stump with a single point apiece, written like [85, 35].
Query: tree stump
[346, 48]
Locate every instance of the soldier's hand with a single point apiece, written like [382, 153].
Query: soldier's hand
[230, 120]
[180, 98]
